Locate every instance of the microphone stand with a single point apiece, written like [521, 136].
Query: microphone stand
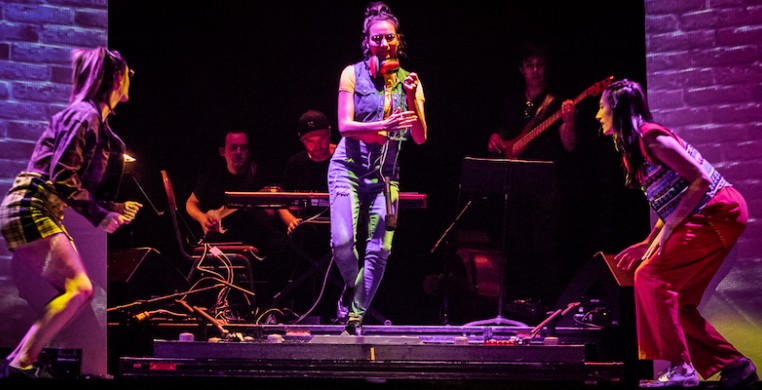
[446, 273]
[150, 203]
[452, 225]
[391, 211]
[550, 320]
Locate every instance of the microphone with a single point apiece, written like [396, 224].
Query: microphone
[391, 222]
[380, 67]
[391, 218]
[389, 66]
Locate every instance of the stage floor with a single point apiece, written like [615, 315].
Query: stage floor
[422, 354]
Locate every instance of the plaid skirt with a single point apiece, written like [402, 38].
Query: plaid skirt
[31, 210]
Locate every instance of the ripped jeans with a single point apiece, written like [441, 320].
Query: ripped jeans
[356, 199]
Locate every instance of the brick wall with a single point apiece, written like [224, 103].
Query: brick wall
[35, 70]
[704, 66]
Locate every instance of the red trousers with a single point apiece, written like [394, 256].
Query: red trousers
[669, 287]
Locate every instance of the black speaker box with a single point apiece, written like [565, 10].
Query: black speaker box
[603, 301]
[141, 273]
[62, 363]
[606, 307]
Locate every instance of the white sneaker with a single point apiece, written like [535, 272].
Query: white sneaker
[671, 378]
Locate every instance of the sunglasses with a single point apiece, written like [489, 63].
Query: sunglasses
[377, 39]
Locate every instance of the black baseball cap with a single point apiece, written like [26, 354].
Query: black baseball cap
[310, 121]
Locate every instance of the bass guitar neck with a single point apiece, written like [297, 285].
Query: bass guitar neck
[514, 148]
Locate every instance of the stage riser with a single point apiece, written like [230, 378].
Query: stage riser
[366, 349]
[362, 357]
[428, 353]
[408, 370]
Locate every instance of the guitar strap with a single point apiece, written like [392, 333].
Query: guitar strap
[549, 98]
[539, 115]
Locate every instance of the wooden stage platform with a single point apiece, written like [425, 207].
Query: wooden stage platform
[438, 354]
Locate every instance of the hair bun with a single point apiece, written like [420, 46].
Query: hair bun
[377, 8]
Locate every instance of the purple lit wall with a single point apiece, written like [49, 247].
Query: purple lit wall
[35, 79]
[705, 81]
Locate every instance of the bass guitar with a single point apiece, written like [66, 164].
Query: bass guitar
[513, 148]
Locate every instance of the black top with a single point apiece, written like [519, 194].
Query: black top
[211, 185]
[251, 226]
[516, 112]
[83, 158]
[303, 174]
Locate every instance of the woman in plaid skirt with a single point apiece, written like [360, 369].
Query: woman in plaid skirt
[77, 162]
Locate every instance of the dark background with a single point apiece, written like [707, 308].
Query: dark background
[206, 68]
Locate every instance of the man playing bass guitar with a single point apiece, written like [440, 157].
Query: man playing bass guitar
[522, 113]
[535, 263]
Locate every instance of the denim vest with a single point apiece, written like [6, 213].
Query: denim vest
[369, 107]
[369, 94]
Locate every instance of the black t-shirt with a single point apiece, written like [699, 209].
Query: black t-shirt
[251, 226]
[516, 112]
[303, 174]
[211, 185]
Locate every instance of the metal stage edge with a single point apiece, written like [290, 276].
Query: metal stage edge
[383, 352]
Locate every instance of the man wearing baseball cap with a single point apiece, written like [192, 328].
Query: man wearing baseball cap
[307, 171]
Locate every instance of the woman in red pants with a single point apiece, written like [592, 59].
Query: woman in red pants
[700, 218]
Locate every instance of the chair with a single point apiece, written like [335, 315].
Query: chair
[213, 258]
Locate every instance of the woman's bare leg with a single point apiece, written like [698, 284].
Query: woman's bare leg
[58, 261]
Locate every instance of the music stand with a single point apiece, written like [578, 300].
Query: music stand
[496, 176]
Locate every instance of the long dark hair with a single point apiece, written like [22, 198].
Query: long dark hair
[94, 73]
[630, 111]
[378, 11]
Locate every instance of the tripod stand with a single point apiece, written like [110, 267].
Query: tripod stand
[491, 176]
